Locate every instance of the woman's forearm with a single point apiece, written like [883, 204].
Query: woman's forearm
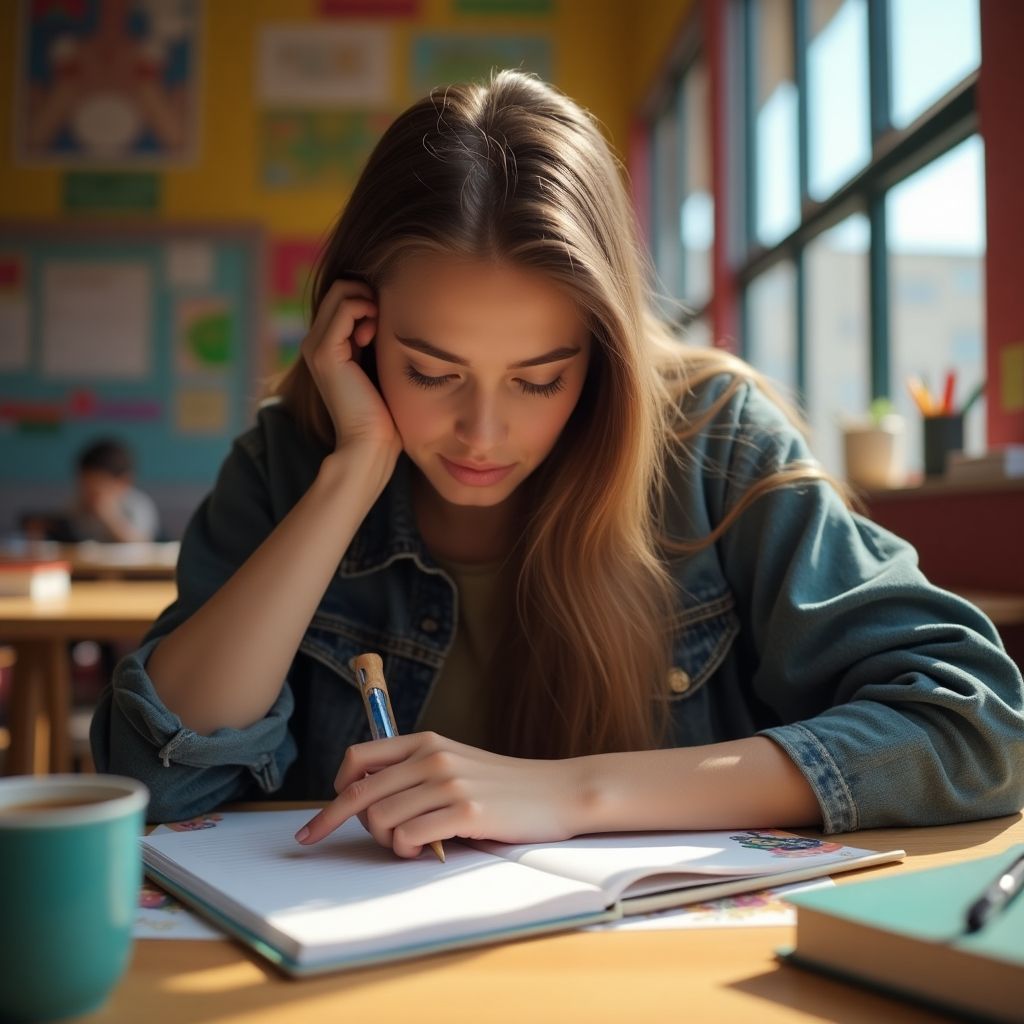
[224, 666]
[748, 783]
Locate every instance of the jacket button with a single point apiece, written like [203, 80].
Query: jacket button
[429, 625]
[678, 680]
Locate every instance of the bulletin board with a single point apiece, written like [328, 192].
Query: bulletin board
[151, 334]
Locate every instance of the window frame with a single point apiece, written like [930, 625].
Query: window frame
[896, 154]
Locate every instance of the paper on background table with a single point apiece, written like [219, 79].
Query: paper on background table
[766, 908]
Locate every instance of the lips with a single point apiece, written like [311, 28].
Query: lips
[481, 475]
[483, 467]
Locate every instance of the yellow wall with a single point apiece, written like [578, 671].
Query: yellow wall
[653, 27]
[605, 52]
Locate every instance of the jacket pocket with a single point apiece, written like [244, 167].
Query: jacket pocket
[702, 634]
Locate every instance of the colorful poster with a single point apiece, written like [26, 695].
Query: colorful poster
[291, 268]
[111, 192]
[108, 81]
[201, 411]
[325, 66]
[15, 344]
[1011, 377]
[96, 319]
[204, 328]
[189, 264]
[445, 58]
[318, 148]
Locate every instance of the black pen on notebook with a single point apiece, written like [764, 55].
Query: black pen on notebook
[997, 895]
[369, 671]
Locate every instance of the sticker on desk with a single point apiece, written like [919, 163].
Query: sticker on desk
[159, 915]
[766, 908]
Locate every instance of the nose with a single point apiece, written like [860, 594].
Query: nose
[480, 424]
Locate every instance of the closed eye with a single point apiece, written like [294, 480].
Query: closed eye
[540, 390]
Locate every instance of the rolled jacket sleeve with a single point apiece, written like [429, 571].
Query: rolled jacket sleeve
[897, 699]
[134, 733]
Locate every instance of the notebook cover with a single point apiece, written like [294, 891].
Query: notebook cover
[931, 905]
[295, 969]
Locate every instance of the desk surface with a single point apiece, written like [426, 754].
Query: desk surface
[100, 610]
[715, 975]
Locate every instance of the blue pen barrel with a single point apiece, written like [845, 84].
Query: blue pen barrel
[381, 726]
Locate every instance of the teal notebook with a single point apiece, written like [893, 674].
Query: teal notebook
[905, 934]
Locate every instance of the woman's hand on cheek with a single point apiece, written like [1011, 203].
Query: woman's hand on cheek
[411, 790]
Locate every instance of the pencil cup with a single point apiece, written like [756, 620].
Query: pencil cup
[70, 869]
[942, 435]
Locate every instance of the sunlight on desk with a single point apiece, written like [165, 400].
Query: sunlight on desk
[224, 978]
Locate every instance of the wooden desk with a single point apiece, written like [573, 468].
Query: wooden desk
[92, 560]
[704, 977]
[39, 631]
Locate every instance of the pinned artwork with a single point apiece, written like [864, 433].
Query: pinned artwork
[108, 82]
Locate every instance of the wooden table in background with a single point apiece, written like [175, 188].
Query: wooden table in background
[39, 631]
[704, 976]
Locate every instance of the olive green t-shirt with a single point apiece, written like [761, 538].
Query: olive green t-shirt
[459, 704]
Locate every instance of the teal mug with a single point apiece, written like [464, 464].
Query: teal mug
[70, 870]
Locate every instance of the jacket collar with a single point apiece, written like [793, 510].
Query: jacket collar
[389, 529]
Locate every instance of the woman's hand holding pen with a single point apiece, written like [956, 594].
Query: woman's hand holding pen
[346, 319]
[424, 787]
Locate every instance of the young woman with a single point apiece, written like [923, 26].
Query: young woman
[611, 587]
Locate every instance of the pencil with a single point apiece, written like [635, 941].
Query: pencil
[974, 396]
[947, 395]
[369, 671]
[922, 398]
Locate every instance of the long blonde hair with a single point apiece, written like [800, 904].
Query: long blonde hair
[512, 169]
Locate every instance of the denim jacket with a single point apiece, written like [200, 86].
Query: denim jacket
[805, 623]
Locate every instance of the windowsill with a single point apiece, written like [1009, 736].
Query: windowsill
[924, 488]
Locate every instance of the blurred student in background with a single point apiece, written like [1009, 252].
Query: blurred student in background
[108, 506]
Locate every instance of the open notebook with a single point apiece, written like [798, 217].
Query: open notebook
[347, 902]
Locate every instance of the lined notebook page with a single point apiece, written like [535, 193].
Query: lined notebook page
[614, 861]
[348, 896]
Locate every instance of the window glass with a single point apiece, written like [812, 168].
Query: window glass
[698, 333]
[838, 103]
[838, 368]
[697, 212]
[933, 48]
[771, 325]
[665, 211]
[774, 166]
[936, 240]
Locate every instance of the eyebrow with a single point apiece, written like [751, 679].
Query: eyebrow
[554, 356]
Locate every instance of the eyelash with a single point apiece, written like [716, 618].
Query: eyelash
[539, 390]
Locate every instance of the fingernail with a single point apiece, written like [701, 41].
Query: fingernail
[303, 834]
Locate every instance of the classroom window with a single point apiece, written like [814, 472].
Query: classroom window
[770, 325]
[776, 194]
[839, 130]
[683, 205]
[932, 50]
[838, 372]
[936, 242]
[859, 122]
